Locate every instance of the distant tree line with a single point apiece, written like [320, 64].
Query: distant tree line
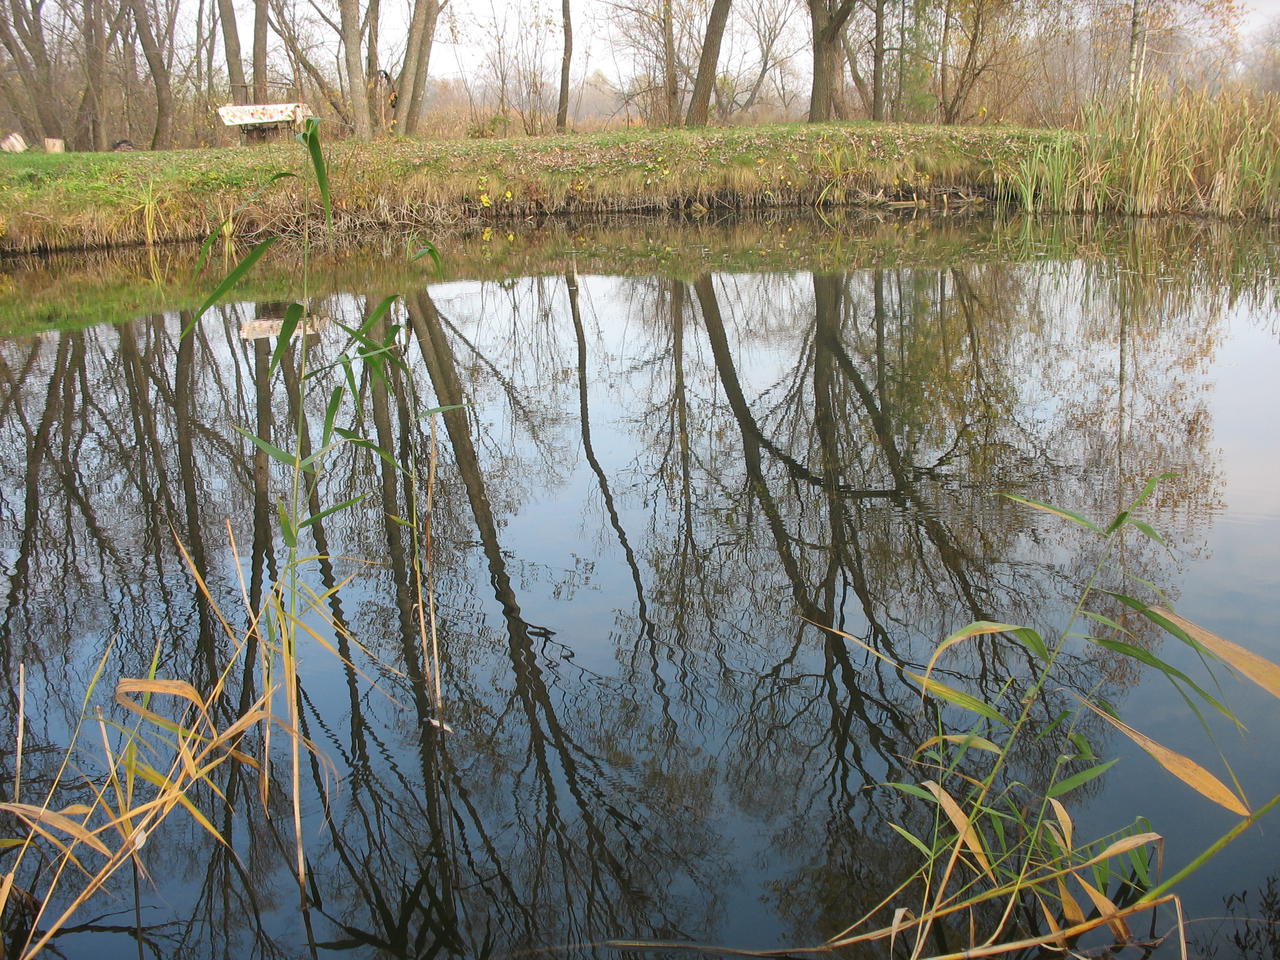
[91, 72]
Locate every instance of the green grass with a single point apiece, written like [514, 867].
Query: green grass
[87, 201]
[1196, 154]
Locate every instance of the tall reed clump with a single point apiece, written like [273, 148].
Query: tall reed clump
[174, 743]
[1190, 153]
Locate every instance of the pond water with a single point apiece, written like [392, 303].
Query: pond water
[675, 501]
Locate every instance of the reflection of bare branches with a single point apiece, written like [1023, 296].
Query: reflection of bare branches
[717, 460]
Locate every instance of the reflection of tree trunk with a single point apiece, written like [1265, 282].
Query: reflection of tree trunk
[953, 558]
[733, 388]
[151, 486]
[263, 536]
[571, 281]
[584, 422]
[751, 445]
[544, 726]
[37, 450]
[844, 687]
[184, 426]
[680, 399]
[828, 292]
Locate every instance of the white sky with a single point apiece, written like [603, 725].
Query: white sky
[459, 50]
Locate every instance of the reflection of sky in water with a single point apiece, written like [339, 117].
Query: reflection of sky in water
[1234, 589]
[760, 838]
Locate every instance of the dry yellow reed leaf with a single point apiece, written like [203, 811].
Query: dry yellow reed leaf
[1052, 922]
[978, 629]
[1106, 909]
[51, 818]
[967, 833]
[1070, 908]
[1125, 844]
[1182, 767]
[900, 917]
[1257, 668]
[1064, 820]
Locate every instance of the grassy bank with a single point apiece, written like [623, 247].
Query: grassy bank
[1193, 155]
[85, 201]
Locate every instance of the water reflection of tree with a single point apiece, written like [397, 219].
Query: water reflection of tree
[810, 447]
[883, 443]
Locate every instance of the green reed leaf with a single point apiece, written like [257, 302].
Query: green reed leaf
[1078, 779]
[959, 698]
[1147, 529]
[331, 510]
[268, 448]
[913, 840]
[229, 281]
[286, 526]
[330, 414]
[912, 789]
[290, 323]
[1056, 511]
[310, 138]
[1172, 672]
[428, 249]
[1105, 621]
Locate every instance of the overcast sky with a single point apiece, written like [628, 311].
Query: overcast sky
[461, 41]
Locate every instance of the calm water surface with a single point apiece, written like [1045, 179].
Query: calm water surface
[660, 499]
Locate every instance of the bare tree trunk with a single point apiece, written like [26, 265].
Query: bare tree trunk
[89, 133]
[424, 62]
[22, 35]
[231, 44]
[357, 85]
[670, 92]
[260, 94]
[162, 139]
[708, 60]
[943, 55]
[827, 20]
[417, 58]
[859, 82]
[298, 56]
[877, 64]
[1135, 42]
[562, 104]
[379, 89]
